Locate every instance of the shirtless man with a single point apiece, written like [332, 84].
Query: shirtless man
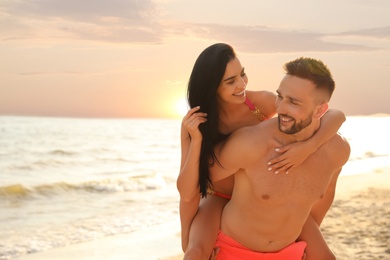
[267, 211]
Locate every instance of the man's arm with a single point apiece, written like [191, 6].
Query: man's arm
[321, 207]
[294, 154]
[317, 248]
[233, 154]
[340, 151]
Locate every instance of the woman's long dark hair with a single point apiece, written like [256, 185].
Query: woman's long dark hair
[205, 78]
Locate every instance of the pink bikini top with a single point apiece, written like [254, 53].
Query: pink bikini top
[255, 110]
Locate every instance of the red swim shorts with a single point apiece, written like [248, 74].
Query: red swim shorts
[232, 250]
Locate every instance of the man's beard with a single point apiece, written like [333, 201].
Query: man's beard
[296, 127]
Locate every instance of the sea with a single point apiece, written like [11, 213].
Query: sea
[65, 181]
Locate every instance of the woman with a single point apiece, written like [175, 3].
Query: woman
[220, 105]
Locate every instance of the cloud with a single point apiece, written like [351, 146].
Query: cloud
[131, 21]
[42, 73]
[380, 33]
[142, 22]
[174, 83]
[85, 10]
[261, 39]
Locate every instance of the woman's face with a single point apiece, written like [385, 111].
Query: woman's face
[233, 83]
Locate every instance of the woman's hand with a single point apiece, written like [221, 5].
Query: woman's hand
[192, 120]
[291, 156]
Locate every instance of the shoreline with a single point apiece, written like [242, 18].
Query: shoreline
[155, 242]
[356, 227]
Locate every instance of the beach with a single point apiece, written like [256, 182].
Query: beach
[106, 189]
[356, 227]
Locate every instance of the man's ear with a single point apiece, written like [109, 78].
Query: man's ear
[321, 110]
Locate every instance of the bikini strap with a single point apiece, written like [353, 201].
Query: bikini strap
[255, 110]
[219, 194]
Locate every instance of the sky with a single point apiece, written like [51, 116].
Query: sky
[133, 58]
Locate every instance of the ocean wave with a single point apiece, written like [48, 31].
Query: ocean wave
[137, 183]
[16, 190]
[62, 152]
[367, 155]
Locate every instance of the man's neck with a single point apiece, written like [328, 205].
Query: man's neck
[302, 135]
[308, 132]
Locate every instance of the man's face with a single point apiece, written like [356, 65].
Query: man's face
[295, 104]
[295, 127]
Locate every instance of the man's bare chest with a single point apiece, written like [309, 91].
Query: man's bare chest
[306, 183]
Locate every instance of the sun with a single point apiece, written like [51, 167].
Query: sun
[181, 107]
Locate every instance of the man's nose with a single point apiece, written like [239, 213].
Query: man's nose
[280, 106]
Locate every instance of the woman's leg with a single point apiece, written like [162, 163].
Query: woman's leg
[204, 228]
[317, 248]
[188, 211]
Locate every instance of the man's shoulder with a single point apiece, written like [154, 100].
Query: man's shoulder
[252, 137]
[338, 147]
[259, 130]
[339, 140]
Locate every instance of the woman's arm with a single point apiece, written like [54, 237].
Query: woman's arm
[191, 144]
[294, 154]
[188, 179]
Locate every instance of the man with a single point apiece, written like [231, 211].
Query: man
[267, 211]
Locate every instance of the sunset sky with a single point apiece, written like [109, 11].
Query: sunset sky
[118, 58]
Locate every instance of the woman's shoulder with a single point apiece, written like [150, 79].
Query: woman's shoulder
[264, 101]
[259, 95]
